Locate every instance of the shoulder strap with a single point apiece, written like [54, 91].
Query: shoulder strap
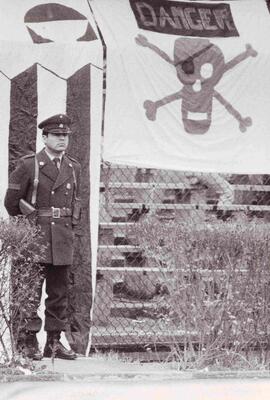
[75, 182]
[28, 156]
[72, 159]
[35, 184]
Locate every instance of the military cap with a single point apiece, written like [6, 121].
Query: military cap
[57, 124]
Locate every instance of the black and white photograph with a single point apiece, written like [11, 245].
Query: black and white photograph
[134, 199]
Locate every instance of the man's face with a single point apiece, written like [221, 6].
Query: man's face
[56, 143]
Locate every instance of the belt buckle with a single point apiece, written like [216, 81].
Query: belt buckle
[56, 212]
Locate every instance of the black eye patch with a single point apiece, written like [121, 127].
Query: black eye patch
[188, 66]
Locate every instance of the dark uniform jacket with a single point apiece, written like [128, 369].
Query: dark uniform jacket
[55, 189]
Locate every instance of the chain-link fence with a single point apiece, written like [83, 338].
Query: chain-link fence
[132, 307]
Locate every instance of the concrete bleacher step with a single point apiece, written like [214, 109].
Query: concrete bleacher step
[256, 188]
[119, 249]
[205, 273]
[176, 185]
[116, 226]
[190, 206]
[118, 262]
[121, 200]
[118, 219]
[135, 309]
[146, 185]
[169, 200]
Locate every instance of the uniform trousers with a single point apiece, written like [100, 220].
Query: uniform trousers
[56, 303]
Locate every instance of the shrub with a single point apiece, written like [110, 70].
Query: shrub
[218, 285]
[20, 275]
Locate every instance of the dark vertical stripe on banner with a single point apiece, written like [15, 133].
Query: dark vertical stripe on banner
[23, 115]
[78, 108]
[268, 4]
[104, 47]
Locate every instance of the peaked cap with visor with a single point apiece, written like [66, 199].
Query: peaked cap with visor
[57, 124]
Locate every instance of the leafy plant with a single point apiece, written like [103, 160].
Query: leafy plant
[20, 277]
[218, 283]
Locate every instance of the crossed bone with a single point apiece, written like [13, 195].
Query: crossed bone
[151, 107]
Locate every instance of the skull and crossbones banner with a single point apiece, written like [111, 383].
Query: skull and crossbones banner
[188, 84]
[51, 62]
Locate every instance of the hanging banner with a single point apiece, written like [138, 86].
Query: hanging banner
[51, 61]
[187, 84]
[184, 19]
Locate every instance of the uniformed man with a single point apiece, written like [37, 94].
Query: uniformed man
[49, 182]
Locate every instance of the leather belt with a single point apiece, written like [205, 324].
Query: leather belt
[54, 212]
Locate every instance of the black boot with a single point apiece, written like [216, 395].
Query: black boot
[54, 348]
[28, 346]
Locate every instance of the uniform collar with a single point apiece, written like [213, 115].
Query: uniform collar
[48, 168]
[52, 157]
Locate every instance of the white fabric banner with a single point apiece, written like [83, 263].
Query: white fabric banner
[59, 44]
[188, 84]
[4, 127]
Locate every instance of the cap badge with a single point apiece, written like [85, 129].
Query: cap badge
[61, 126]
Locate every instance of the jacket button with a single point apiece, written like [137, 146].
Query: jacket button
[66, 224]
[52, 192]
[53, 223]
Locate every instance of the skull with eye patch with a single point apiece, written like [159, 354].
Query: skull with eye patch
[199, 66]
